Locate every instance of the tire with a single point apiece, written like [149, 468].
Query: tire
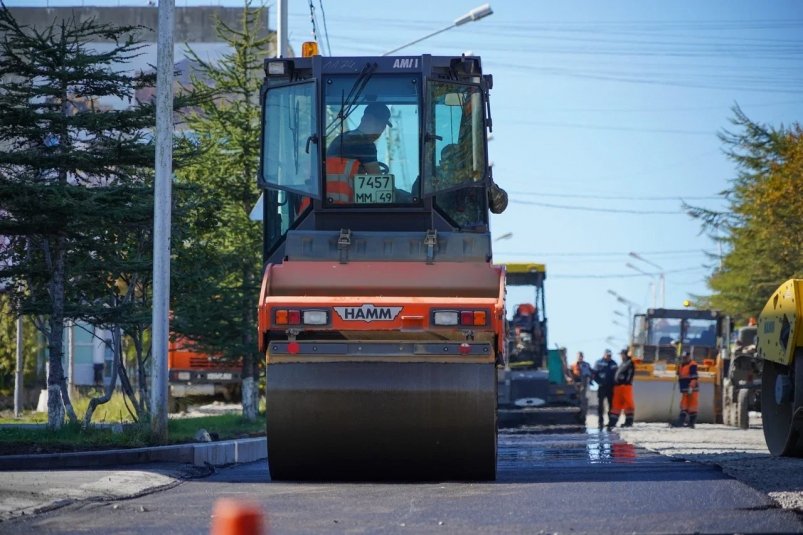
[727, 403]
[742, 409]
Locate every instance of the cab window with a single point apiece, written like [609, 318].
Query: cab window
[290, 152]
[454, 141]
[372, 140]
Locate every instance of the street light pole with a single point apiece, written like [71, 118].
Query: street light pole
[477, 13]
[630, 307]
[661, 275]
[654, 289]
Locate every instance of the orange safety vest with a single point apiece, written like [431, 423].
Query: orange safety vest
[340, 179]
[303, 204]
[688, 376]
[689, 389]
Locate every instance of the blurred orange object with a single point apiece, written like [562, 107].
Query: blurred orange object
[233, 517]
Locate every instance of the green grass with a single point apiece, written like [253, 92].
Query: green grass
[72, 438]
[113, 411]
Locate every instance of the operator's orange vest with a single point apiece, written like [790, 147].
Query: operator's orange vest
[340, 179]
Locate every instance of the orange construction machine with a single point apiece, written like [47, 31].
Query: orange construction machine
[194, 374]
[381, 315]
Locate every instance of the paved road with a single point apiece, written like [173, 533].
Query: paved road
[556, 482]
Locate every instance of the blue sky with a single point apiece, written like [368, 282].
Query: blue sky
[605, 116]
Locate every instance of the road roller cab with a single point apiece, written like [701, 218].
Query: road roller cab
[659, 338]
[380, 313]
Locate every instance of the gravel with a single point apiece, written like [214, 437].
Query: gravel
[742, 454]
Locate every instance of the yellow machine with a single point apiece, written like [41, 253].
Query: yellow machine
[659, 338]
[780, 344]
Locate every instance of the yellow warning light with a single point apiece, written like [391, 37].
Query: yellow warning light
[686, 303]
[309, 48]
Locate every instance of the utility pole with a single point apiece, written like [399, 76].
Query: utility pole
[18, 372]
[281, 28]
[161, 219]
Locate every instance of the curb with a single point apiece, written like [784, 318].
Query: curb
[199, 454]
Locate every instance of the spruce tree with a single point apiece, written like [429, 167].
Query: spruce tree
[75, 177]
[220, 265]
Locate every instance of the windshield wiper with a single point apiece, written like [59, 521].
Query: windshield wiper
[349, 103]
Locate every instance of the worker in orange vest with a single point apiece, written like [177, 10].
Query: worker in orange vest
[623, 392]
[689, 391]
[354, 152]
[581, 370]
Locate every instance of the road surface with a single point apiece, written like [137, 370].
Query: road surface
[569, 482]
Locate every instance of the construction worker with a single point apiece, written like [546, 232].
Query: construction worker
[689, 391]
[604, 373]
[581, 370]
[359, 144]
[623, 392]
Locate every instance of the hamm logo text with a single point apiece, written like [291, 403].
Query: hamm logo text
[368, 313]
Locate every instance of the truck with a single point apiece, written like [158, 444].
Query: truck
[780, 347]
[660, 336]
[381, 314]
[534, 383]
[193, 375]
[741, 382]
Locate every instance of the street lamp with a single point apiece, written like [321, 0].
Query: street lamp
[661, 277]
[477, 13]
[653, 290]
[505, 236]
[630, 306]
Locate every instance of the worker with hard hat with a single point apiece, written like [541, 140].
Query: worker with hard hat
[623, 392]
[689, 391]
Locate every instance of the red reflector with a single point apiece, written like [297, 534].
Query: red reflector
[293, 348]
[466, 317]
[294, 317]
[465, 348]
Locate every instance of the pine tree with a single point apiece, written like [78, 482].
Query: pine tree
[75, 179]
[763, 225]
[220, 263]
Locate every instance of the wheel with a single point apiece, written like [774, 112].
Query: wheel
[782, 431]
[726, 403]
[742, 409]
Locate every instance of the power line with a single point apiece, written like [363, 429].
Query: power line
[619, 275]
[312, 21]
[325, 29]
[594, 209]
[616, 197]
[619, 128]
[604, 253]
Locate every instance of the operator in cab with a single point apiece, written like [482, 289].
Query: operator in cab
[359, 144]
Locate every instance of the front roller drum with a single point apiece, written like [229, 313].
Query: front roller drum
[782, 406]
[381, 421]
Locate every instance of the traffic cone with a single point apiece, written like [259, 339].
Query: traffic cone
[233, 517]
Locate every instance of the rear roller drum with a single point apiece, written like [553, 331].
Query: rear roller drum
[782, 407]
[378, 421]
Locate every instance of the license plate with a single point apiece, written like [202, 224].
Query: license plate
[184, 376]
[373, 189]
[215, 376]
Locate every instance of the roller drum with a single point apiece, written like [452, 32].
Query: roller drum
[381, 421]
[659, 401]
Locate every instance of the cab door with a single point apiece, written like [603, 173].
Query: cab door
[290, 165]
